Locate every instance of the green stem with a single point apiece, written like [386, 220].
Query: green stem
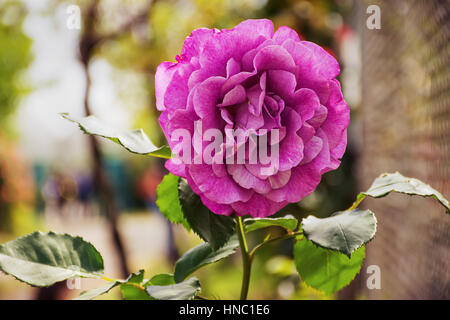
[355, 204]
[259, 246]
[246, 262]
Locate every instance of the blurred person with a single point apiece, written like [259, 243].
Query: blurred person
[147, 185]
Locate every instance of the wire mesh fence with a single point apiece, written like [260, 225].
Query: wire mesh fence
[406, 127]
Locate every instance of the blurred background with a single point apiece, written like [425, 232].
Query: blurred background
[52, 177]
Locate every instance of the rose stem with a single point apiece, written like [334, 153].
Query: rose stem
[246, 263]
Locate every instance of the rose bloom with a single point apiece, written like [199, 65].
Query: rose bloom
[252, 78]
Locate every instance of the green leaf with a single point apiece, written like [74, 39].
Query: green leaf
[135, 141]
[326, 270]
[213, 228]
[287, 222]
[344, 231]
[162, 279]
[130, 289]
[93, 293]
[202, 255]
[42, 259]
[395, 182]
[168, 200]
[186, 290]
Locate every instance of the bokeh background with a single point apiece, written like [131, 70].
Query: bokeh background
[52, 177]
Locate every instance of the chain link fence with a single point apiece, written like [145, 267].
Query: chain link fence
[405, 115]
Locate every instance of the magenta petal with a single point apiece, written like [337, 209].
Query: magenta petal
[258, 206]
[280, 179]
[255, 97]
[338, 116]
[253, 28]
[234, 43]
[176, 169]
[283, 33]
[304, 180]
[274, 58]
[312, 149]
[217, 208]
[213, 187]
[236, 80]
[337, 153]
[323, 160]
[281, 82]
[339, 150]
[291, 147]
[233, 67]
[207, 95]
[177, 91]
[197, 77]
[195, 42]
[304, 101]
[219, 169]
[245, 120]
[315, 64]
[226, 116]
[306, 132]
[234, 96]
[327, 64]
[247, 59]
[182, 119]
[163, 76]
[319, 117]
[246, 180]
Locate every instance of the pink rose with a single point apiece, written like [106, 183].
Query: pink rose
[251, 78]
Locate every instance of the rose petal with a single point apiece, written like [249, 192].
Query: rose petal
[283, 33]
[274, 58]
[213, 187]
[246, 180]
[338, 116]
[258, 206]
[280, 179]
[291, 147]
[207, 95]
[281, 82]
[304, 101]
[234, 96]
[233, 67]
[176, 169]
[312, 149]
[163, 76]
[320, 114]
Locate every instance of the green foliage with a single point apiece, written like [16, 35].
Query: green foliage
[162, 279]
[168, 201]
[326, 270]
[131, 289]
[395, 182]
[135, 141]
[213, 228]
[286, 222]
[202, 255]
[42, 259]
[15, 57]
[186, 290]
[344, 231]
[94, 293]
